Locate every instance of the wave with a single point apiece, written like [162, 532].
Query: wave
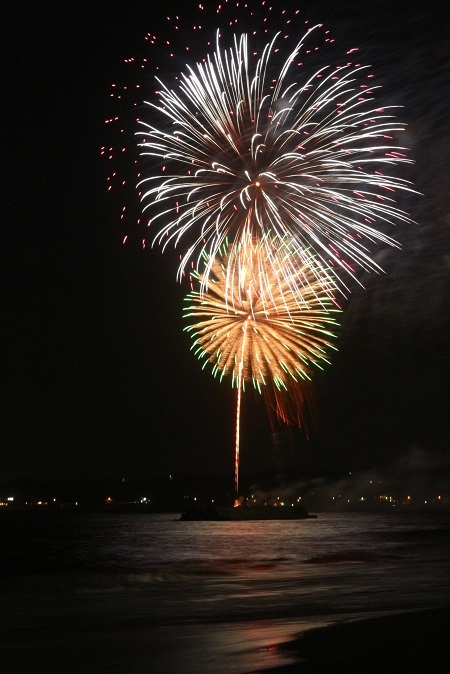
[351, 556]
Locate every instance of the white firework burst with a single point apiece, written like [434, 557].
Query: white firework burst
[252, 153]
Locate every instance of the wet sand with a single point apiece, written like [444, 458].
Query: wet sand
[402, 643]
[94, 643]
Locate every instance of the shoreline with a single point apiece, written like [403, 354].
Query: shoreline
[400, 643]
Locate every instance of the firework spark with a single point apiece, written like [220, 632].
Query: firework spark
[272, 341]
[246, 154]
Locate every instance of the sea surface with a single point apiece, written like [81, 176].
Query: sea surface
[132, 593]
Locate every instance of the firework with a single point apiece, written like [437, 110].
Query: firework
[273, 172]
[302, 158]
[272, 341]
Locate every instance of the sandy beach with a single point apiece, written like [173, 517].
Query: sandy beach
[401, 643]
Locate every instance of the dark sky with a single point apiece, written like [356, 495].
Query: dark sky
[98, 378]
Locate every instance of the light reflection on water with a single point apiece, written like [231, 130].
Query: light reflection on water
[213, 588]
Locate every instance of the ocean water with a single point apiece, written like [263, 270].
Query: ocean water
[136, 593]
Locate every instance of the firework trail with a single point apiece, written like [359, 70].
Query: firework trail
[271, 341]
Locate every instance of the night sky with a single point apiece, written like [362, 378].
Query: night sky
[98, 379]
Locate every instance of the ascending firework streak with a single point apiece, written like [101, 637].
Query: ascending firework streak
[271, 339]
[247, 154]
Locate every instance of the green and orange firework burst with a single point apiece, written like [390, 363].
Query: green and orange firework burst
[258, 331]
